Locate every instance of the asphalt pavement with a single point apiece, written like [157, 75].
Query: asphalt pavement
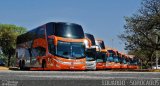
[85, 78]
[69, 75]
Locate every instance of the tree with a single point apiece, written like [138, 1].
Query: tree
[8, 35]
[142, 30]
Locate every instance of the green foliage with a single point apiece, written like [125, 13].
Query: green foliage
[142, 31]
[8, 35]
[3, 58]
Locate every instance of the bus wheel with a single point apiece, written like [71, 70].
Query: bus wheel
[22, 65]
[43, 64]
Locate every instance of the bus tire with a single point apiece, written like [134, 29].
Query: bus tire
[20, 65]
[43, 64]
[23, 65]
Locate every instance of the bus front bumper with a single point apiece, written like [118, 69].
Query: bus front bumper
[90, 65]
[100, 66]
[70, 66]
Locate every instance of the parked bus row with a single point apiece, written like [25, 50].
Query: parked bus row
[65, 46]
[108, 58]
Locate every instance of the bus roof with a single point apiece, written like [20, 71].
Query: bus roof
[100, 43]
[61, 29]
[90, 37]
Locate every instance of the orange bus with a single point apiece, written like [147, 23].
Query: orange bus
[131, 65]
[109, 60]
[123, 61]
[134, 63]
[52, 46]
[129, 62]
[102, 55]
[116, 59]
[90, 52]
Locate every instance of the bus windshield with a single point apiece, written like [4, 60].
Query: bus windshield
[91, 55]
[123, 60]
[111, 53]
[116, 59]
[110, 59]
[113, 56]
[134, 62]
[90, 58]
[128, 61]
[69, 30]
[104, 56]
[70, 50]
[100, 57]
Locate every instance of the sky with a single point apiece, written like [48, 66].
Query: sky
[102, 18]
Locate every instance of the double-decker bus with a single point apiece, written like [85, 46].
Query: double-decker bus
[136, 63]
[133, 62]
[52, 46]
[118, 60]
[128, 60]
[102, 55]
[117, 64]
[115, 57]
[123, 61]
[110, 59]
[90, 52]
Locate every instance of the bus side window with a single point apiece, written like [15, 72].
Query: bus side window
[51, 46]
[39, 51]
[27, 55]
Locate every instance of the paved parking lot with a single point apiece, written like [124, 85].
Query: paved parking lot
[75, 77]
